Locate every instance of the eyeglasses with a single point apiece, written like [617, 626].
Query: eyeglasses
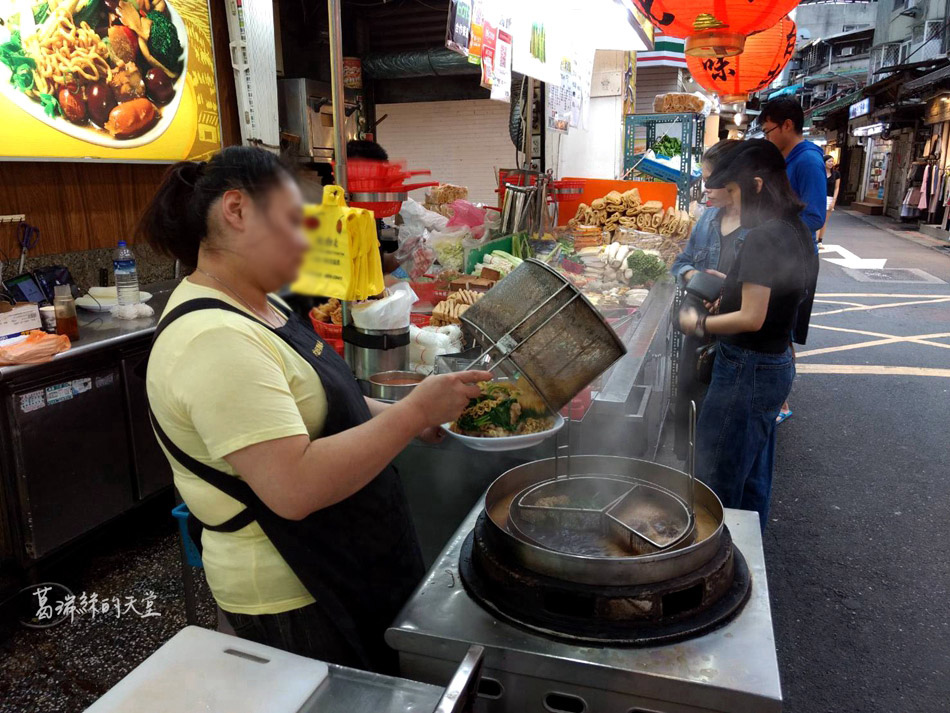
[768, 131]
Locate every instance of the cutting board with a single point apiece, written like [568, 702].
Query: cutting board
[202, 670]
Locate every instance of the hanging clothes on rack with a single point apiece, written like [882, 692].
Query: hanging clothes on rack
[922, 201]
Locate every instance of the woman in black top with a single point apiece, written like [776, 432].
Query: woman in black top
[833, 177]
[754, 369]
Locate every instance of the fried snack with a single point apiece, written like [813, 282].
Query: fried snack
[329, 312]
[633, 212]
[677, 102]
[631, 198]
[448, 312]
[598, 204]
[464, 297]
[657, 219]
[614, 197]
[651, 207]
[644, 221]
[447, 193]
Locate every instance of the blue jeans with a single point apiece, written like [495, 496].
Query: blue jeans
[735, 435]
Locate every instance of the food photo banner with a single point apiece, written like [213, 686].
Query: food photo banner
[116, 80]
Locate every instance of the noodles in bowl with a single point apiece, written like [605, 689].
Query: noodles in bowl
[108, 72]
[504, 409]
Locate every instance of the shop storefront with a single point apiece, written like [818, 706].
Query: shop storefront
[937, 116]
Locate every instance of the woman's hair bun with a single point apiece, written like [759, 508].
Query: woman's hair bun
[176, 220]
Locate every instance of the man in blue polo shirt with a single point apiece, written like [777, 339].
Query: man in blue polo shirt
[783, 122]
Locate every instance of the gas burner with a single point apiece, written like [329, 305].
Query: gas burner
[632, 615]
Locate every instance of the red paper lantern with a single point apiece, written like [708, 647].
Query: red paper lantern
[765, 55]
[714, 28]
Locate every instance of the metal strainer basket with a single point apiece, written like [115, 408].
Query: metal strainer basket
[542, 323]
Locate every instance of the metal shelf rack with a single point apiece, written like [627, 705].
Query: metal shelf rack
[691, 129]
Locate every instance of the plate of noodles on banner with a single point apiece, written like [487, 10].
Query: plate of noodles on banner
[108, 72]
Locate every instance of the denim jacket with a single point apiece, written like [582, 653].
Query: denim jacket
[702, 249]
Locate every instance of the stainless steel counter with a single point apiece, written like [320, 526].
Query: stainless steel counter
[347, 690]
[111, 467]
[733, 669]
[99, 330]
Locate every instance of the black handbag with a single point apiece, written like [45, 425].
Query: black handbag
[708, 288]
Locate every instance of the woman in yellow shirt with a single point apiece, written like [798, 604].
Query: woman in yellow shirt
[306, 535]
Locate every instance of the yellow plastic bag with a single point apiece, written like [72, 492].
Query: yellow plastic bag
[327, 268]
[343, 260]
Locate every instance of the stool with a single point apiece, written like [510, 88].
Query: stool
[190, 557]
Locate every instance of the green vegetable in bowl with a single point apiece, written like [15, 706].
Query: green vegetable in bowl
[163, 42]
[668, 146]
[646, 267]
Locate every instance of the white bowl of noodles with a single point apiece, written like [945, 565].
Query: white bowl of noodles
[87, 132]
[508, 415]
[506, 443]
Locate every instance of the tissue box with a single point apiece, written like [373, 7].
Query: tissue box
[18, 318]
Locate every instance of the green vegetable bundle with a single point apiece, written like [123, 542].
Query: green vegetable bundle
[645, 267]
[668, 146]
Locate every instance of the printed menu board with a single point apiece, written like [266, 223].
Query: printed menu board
[117, 80]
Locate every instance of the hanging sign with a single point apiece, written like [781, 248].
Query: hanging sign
[560, 102]
[535, 38]
[476, 32]
[459, 27]
[489, 37]
[501, 74]
[860, 108]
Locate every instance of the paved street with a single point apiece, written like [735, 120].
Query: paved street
[856, 548]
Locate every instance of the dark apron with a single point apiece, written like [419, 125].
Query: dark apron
[360, 558]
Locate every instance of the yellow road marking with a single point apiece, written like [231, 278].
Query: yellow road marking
[870, 369]
[887, 304]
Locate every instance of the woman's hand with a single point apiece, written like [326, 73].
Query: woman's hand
[433, 435]
[440, 399]
[689, 318]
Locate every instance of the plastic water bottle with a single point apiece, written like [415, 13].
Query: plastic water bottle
[126, 275]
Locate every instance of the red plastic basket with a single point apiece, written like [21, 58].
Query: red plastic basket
[426, 292]
[332, 333]
[566, 191]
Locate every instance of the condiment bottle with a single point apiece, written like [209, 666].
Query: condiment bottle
[66, 320]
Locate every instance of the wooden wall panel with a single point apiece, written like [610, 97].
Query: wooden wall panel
[76, 206]
[86, 205]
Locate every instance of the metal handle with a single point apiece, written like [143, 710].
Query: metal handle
[460, 694]
[691, 462]
[562, 449]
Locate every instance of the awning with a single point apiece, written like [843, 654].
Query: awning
[831, 76]
[790, 89]
[839, 103]
[926, 80]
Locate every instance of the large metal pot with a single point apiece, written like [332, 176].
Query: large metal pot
[372, 351]
[609, 571]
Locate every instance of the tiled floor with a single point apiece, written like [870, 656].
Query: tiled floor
[65, 668]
